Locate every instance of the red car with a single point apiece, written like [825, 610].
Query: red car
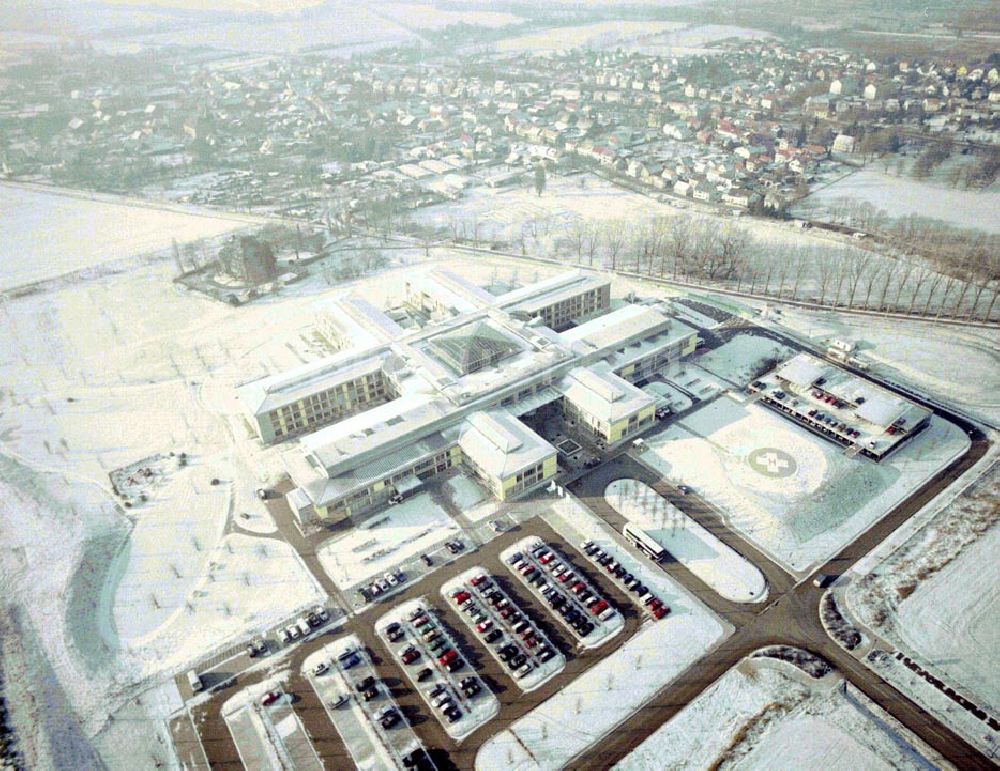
[269, 698]
[528, 571]
[565, 577]
[462, 597]
[478, 580]
[660, 612]
[447, 656]
[546, 558]
[483, 626]
[602, 605]
[410, 655]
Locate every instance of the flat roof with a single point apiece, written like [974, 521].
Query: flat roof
[619, 327]
[379, 429]
[275, 391]
[534, 297]
[500, 444]
[802, 370]
[445, 293]
[602, 394]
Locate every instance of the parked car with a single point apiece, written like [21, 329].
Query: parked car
[410, 655]
[321, 668]
[269, 698]
[424, 674]
[426, 560]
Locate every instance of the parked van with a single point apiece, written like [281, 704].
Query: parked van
[194, 680]
[303, 626]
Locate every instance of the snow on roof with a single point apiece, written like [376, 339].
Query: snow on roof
[448, 294]
[534, 297]
[500, 444]
[275, 391]
[467, 287]
[802, 370]
[380, 429]
[603, 394]
[620, 327]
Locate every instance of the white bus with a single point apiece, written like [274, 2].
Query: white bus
[646, 544]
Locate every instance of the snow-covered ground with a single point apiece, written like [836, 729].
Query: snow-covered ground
[45, 234]
[953, 619]
[765, 714]
[797, 496]
[744, 357]
[725, 571]
[469, 496]
[384, 542]
[900, 196]
[605, 34]
[690, 39]
[430, 16]
[590, 707]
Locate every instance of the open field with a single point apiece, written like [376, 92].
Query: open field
[901, 196]
[43, 234]
[766, 714]
[953, 619]
[794, 494]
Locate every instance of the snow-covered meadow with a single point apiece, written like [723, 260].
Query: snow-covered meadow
[765, 714]
[797, 496]
[744, 357]
[45, 234]
[901, 196]
[725, 571]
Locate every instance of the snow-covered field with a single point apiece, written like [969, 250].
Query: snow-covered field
[900, 196]
[605, 34]
[688, 39]
[725, 571]
[796, 495]
[742, 358]
[389, 539]
[765, 714]
[953, 619]
[576, 718]
[430, 16]
[44, 234]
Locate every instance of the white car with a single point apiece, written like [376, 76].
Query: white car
[320, 668]
[391, 579]
[293, 632]
[496, 525]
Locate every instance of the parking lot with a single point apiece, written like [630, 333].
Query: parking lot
[361, 707]
[571, 598]
[431, 659]
[504, 628]
[267, 730]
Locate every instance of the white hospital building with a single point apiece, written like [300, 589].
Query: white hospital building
[399, 404]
